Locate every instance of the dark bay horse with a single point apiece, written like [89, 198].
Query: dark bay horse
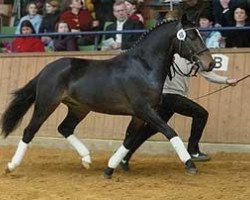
[128, 84]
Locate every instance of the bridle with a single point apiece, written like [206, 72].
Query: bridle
[195, 61]
[192, 51]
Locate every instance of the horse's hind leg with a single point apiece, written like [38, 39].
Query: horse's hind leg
[67, 127]
[40, 114]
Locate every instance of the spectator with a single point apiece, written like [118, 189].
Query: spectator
[39, 5]
[119, 41]
[79, 19]
[27, 44]
[213, 39]
[33, 16]
[63, 42]
[239, 38]
[133, 13]
[223, 12]
[49, 19]
[104, 11]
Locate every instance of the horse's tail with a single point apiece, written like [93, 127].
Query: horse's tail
[22, 101]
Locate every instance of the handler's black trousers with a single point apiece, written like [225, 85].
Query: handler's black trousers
[174, 103]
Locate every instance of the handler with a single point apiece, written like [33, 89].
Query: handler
[174, 100]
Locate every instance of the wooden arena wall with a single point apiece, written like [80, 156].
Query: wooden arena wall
[229, 117]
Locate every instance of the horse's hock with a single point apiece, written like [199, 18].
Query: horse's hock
[229, 116]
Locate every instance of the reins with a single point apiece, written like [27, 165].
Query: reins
[177, 70]
[205, 95]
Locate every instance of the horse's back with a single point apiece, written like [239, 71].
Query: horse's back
[109, 86]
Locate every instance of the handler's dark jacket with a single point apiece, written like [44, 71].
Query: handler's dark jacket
[127, 39]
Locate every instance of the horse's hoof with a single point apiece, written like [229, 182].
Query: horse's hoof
[190, 168]
[10, 168]
[108, 173]
[85, 164]
[124, 166]
[191, 171]
[7, 171]
[86, 161]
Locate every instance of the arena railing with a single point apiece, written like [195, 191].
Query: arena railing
[98, 34]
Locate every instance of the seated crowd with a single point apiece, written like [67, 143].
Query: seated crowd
[64, 16]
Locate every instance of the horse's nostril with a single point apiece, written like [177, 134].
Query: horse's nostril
[211, 65]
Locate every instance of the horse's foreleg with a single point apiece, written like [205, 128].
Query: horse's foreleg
[151, 117]
[66, 128]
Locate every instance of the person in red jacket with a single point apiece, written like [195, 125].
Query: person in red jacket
[79, 19]
[27, 44]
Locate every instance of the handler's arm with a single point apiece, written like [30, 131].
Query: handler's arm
[215, 78]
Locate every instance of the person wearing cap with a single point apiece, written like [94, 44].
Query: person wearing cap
[133, 13]
[121, 41]
[49, 20]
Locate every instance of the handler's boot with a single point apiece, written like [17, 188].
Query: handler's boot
[200, 157]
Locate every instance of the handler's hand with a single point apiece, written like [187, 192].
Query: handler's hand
[232, 82]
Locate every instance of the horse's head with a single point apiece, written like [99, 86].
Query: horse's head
[190, 45]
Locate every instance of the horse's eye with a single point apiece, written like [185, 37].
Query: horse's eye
[192, 35]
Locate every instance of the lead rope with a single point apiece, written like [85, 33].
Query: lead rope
[205, 95]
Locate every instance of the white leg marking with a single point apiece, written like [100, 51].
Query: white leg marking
[180, 149]
[117, 157]
[81, 149]
[18, 157]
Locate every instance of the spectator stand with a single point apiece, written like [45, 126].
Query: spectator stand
[7, 33]
[97, 34]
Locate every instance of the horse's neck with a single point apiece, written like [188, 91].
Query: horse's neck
[158, 53]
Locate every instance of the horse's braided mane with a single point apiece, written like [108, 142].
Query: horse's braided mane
[148, 32]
